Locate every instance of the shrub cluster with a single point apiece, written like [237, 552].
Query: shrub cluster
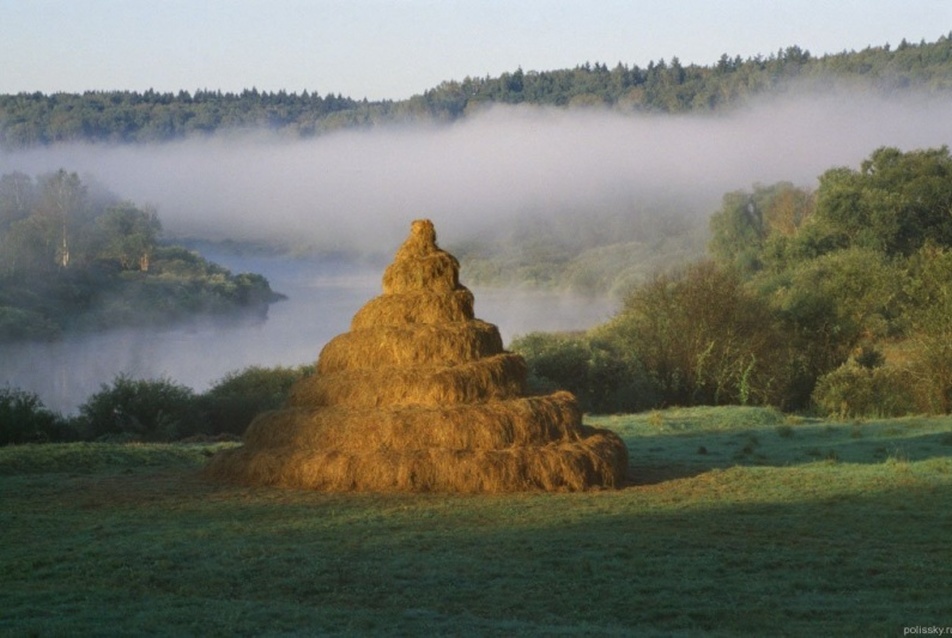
[24, 419]
[604, 378]
[155, 410]
[854, 390]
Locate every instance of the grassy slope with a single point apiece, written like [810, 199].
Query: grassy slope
[740, 521]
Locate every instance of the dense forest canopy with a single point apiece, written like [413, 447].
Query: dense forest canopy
[28, 119]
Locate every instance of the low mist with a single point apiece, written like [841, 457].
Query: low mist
[359, 189]
[504, 169]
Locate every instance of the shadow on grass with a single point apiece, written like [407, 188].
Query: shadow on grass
[716, 556]
[665, 456]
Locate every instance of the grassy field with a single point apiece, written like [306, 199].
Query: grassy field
[737, 522]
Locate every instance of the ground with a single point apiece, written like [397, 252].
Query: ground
[737, 521]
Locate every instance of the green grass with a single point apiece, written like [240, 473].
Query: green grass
[738, 522]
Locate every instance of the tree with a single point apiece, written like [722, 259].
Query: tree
[930, 289]
[233, 402]
[24, 419]
[129, 235]
[62, 202]
[604, 377]
[17, 198]
[141, 409]
[894, 203]
[27, 246]
[738, 232]
[831, 305]
[747, 221]
[703, 338]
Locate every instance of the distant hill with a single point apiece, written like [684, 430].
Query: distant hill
[29, 119]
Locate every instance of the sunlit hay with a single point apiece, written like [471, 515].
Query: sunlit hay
[491, 425]
[418, 306]
[502, 376]
[420, 396]
[437, 271]
[594, 462]
[387, 346]
[420, 265]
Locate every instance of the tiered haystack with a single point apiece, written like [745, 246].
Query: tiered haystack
[421, 396]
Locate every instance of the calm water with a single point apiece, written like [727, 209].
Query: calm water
[322, 298]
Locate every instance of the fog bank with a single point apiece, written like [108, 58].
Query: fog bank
[360, 188]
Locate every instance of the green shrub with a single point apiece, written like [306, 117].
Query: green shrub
[853, 390]
[556, 361]
[141, 409]
[702, 338]
[231, 404]
[24, 419]
[606, 380]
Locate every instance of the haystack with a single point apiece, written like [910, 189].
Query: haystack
[420, 395]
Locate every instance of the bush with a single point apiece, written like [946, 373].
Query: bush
[556, 361]
[233, 402]
[142, 410]
[930, 343]
[853, 390]
[604, 379]
[24, 419]
[703, 339]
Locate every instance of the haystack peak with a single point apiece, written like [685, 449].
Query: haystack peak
[422, 239]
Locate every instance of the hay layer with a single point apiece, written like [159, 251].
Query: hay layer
[597, 459]
[492, 425]
[492, 378]
[417, 306]
[421, 396]
[405, 346]
[438, 271]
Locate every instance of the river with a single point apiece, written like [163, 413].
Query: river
[322, 297]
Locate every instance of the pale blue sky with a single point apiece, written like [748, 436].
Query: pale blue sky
[396, 48]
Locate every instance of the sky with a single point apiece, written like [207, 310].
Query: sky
[393, 49]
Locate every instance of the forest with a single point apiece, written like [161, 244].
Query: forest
[74, 256]
[29, 119]
[837, 299]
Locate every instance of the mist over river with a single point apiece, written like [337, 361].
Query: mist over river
[322, 298]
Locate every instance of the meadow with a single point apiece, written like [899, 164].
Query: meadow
[736, 521]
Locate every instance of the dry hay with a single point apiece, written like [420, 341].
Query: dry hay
[491, 425]
[493, 378]
[421, 396]
[417, 306]
[593, 460]
[403, 346]
[438, 272]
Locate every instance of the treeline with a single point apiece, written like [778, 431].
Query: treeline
[29, 119]
[75, 256]
[838, 300]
